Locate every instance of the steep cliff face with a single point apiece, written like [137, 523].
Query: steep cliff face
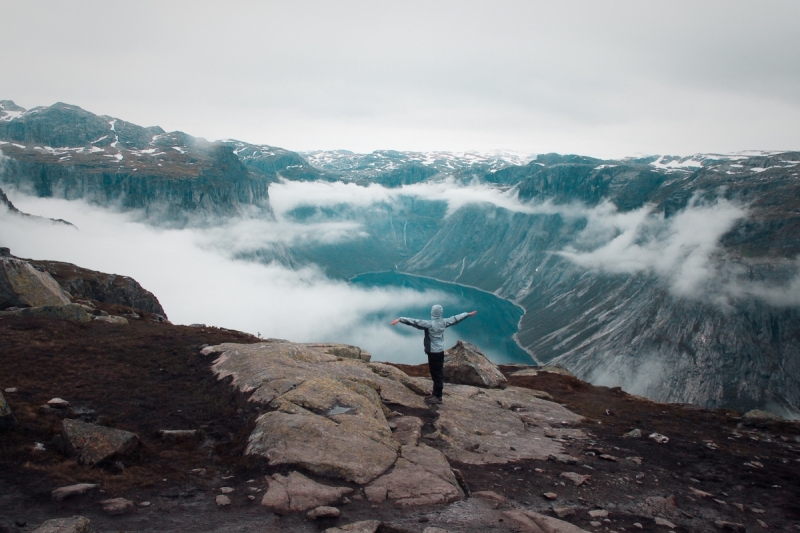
[720, 343]
[64, 151]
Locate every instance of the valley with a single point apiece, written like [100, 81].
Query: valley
[675, 278]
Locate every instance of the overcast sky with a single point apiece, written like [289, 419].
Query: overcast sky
[598, 78]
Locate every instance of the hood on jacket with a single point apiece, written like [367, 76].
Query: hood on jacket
[436, 311]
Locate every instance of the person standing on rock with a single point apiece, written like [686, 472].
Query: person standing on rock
[434, 345]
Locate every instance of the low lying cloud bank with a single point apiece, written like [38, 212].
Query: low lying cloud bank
[683, 250]
[193, 275]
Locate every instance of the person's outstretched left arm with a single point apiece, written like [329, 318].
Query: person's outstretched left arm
[453, 320]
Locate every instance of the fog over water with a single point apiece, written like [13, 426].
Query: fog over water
[195, 275]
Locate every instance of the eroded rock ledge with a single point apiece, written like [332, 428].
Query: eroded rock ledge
[328, 415]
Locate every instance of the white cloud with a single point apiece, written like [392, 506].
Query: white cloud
[683, 250]
[288, 195]
[195, 279]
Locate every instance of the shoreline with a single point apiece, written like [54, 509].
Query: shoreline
[519, 322]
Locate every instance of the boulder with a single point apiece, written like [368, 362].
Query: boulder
[92, 444]
[222, 501]
[74, 312]
[117, 506]
[422, 476]
[465, 364]
[72, 490]
[21, 285]
[7, 418]
[296, 493]
[365, 526]
[76, 524]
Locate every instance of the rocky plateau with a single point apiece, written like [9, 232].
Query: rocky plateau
[142, 425]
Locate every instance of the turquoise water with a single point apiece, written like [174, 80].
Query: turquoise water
[492, 329]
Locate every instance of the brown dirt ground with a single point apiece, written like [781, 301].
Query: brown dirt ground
[147, 376]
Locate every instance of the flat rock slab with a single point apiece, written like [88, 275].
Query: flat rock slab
[532, 522]
[297, 493]
[76, 524]
[72, 490]
[328, 427]
[21, 285]
[92, 444]
[365, 526]
[487, 426]
[270, 369]
[465, 364]
[422, 476]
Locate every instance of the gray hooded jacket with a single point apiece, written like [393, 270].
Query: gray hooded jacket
[434, 328]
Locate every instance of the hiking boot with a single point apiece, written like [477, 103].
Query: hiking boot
[433, 400]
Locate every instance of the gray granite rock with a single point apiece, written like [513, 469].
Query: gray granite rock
[465, 364]
[92, 444]
[21, 285]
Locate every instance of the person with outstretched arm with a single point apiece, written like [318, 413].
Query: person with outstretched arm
[434, 344]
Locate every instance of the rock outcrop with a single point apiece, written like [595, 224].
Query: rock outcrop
[21, 285]
[92, 444]
[106, 288]
[465, 364]
[327, 415]
[296, 493]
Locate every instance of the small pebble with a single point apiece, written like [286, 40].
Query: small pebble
[11, 390]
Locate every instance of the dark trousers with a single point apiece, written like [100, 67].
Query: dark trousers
[436, 368]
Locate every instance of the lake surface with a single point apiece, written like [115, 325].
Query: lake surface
[492, 329]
